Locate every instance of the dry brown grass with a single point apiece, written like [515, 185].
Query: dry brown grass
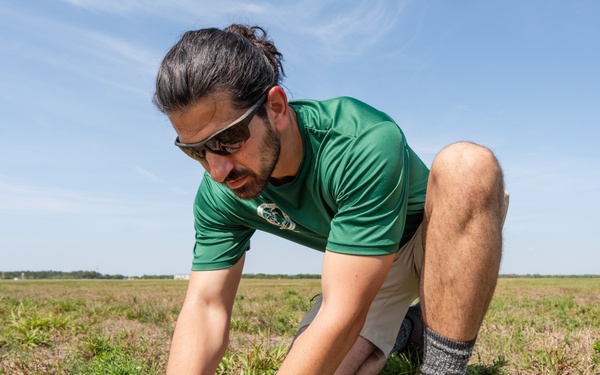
[535, 326]
[544, 326]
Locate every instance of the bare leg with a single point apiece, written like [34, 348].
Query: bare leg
[364, 358]
[374, 364]
[463, 240]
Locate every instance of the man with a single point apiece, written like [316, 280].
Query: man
[337, 176]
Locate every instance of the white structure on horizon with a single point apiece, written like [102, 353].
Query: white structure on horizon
[182, 277]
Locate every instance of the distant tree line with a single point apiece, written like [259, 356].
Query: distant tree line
[60, 275]
[538, 276]
[279, 276]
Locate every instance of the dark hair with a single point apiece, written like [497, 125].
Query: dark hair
[238, 60]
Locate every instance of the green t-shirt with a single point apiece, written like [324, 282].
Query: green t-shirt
[360, 190]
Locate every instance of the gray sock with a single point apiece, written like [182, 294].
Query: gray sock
[445, 356]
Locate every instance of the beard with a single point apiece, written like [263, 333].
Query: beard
[257, 182]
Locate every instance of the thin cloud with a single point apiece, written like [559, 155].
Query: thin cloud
[118, 7]
[176, 10]
[155, 179]
[27, 199]
[147, 175]
[120, 51]
[73, 63]
[340, 28]
[67, 38]
[351, 32]
[85, 52]
[20, 198]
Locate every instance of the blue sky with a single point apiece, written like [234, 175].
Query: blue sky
[90, 179]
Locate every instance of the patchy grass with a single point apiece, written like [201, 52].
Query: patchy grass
[535, 326]
[543, 326]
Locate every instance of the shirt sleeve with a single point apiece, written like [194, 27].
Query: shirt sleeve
[220, 240]
[370, 189]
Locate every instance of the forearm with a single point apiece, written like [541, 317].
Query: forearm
[323, 345]
[199, 341]
[349, 285]
[202, 330]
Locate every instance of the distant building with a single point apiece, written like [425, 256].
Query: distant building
[182, 277]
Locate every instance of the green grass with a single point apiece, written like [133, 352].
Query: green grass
[535, 326]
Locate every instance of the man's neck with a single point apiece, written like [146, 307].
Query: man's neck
[290, 156]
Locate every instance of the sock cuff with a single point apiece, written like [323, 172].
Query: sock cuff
[445, 356]
[431, 334]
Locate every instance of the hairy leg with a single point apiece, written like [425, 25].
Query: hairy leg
[462, 238]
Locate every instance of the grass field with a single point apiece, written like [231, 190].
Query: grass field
[535, 326]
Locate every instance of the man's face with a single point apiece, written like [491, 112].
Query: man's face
[247, 184]
[246, 172]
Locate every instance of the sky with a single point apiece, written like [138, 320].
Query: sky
[90, 178]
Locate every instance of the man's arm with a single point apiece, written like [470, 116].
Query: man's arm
[349, 285]
[202, 329]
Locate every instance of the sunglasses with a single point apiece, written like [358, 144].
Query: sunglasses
[227, 140]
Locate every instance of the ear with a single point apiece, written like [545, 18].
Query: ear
[277, 108]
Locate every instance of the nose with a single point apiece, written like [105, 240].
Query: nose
[218, 166]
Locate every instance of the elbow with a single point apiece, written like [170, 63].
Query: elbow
[346, 321]
[356, 325]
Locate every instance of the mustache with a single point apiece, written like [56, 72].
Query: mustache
[235, 175]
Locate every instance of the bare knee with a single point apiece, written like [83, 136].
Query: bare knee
[467, 170]
[465, 159]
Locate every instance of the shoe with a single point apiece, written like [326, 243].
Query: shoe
[413, 350]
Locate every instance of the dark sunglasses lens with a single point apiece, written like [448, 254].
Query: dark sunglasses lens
[196, 153]
[225, 142]
[231, 136]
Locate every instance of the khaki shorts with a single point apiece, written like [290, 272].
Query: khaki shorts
[398, 292]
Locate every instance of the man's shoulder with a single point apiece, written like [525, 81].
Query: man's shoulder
[337, 102]
[346, 114]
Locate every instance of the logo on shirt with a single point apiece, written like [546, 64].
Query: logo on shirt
[274, 215]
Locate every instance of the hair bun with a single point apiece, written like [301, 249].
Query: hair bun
[257, 36]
